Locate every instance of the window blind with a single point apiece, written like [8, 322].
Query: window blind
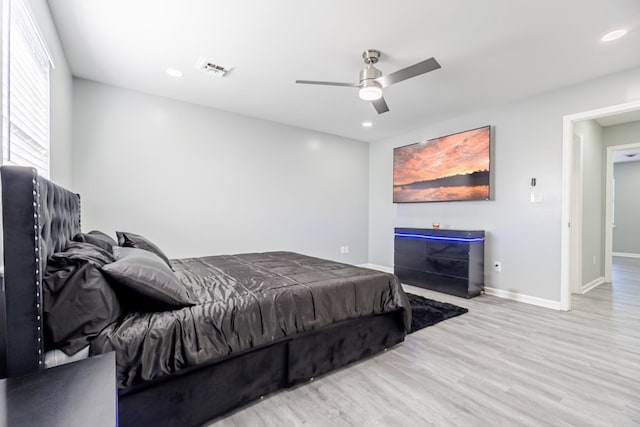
[25, 91]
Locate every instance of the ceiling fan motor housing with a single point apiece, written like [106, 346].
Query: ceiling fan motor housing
[369, 73]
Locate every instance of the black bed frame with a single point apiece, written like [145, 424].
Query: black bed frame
[39, 218]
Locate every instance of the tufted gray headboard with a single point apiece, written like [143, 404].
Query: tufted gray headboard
[38, 218]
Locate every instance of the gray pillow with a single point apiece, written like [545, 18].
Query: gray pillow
[97, 238]
[149, 281]
[132, 240]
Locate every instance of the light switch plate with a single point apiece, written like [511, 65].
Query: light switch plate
[537, 197]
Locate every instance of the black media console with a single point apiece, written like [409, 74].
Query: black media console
[449, 261]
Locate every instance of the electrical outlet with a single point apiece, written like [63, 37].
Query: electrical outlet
[497, 266]
[346, 249]
[594, 260]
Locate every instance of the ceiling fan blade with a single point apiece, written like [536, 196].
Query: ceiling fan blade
[411, 71]
[313, 82]
[380, 105]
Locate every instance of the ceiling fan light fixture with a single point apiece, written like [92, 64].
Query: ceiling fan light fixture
[370, 91]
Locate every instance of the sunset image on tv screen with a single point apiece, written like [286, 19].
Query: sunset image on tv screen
[454, 167]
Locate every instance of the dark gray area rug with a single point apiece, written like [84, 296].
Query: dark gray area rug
[427, 312]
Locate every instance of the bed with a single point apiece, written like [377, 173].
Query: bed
[256, 322]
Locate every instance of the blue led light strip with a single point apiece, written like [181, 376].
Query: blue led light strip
[445, 238]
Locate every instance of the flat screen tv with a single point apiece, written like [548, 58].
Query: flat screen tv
[449, 168]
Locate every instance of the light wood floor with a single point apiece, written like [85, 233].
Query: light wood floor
[502, 364]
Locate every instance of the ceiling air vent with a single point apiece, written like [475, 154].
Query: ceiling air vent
[211, 68]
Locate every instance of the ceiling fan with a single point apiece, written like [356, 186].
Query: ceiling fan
[372, 81]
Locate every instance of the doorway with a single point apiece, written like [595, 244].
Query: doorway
[615, 155]
[571, 216]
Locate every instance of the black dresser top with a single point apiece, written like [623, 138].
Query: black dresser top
[439, 232]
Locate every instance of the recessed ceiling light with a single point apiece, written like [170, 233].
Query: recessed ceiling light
[367, 124]
[174, 73]
[613, 35]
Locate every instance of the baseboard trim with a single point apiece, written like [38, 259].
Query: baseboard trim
[527, 299]
[625, 254]
[377, 267]
[541, 302]
[592, 284]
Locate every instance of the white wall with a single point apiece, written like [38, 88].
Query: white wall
[593, 163]
[199, 181]
[622, 134]
[528, 143]
[626, 234]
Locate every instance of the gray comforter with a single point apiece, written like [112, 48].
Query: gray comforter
[245, 301]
